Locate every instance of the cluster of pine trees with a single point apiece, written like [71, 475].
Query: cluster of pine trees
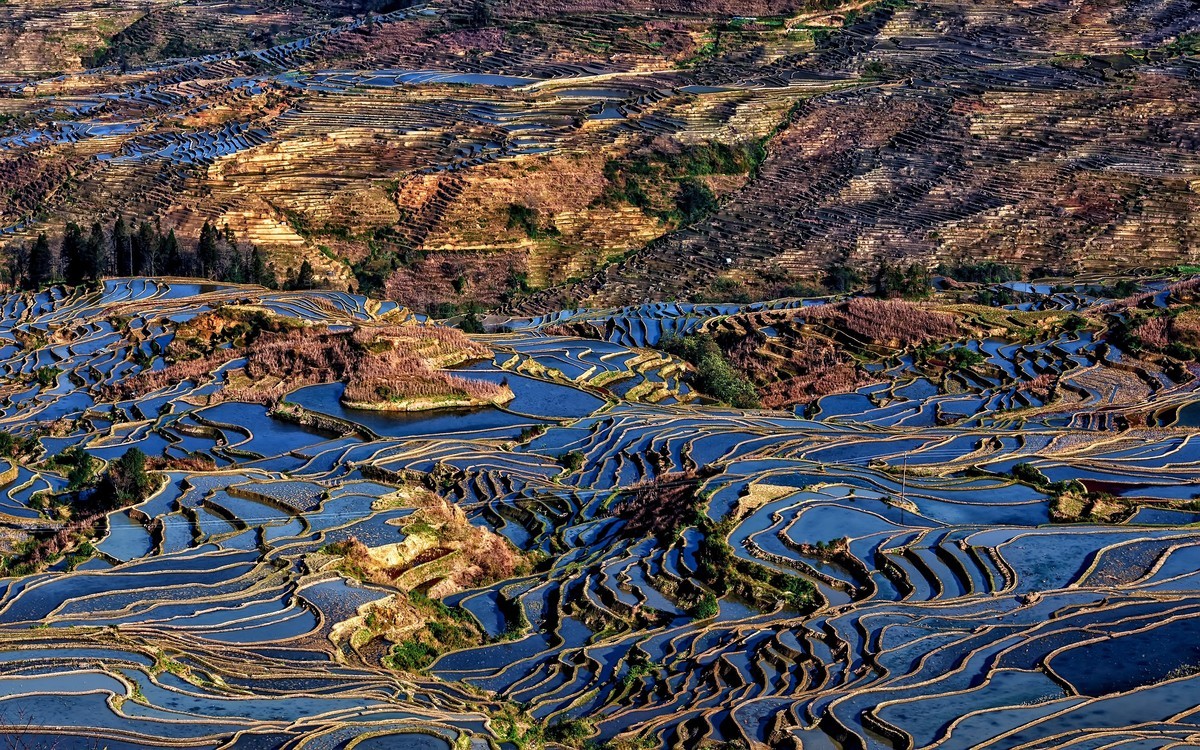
[144, 249]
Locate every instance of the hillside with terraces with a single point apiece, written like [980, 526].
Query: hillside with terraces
[463, 154]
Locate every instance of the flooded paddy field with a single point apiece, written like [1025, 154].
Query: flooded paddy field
[938, 558]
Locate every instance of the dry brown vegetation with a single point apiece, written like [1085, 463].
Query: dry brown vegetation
[443, 551]
[659, 506]
[894, 323]
[812, 354]
[381, 365]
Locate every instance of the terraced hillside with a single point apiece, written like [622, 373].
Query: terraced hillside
[533, 156]
[985, 538]
[1052, 135]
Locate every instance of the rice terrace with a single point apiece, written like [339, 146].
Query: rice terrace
[494, 375]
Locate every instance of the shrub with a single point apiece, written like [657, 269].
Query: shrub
[572, 461]
[13, 446]
[471, 323]
[695, 201]
[78, 465]
[707, 607]
[1030, 474]
[125, 482]
[46, 377]
[411, 656]
[1075, 323]
[569, 731]
[526, 220]
[962, 358]
[714, 375]
[531, 432]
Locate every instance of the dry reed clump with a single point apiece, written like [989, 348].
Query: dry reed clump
[541, 9]
[803, 371]
[659, 506]
[892, 322]
[394, 376]
[804, 389]
[401, 361]
[1041, 385]
[1185, 328]
[1185, 290]
[1155, 333]
[146, 382]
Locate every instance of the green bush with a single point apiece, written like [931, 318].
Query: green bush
[1075, 323]
[840, 278]
[126, 481]
[714, 375]
[78, 466]
[572, 461]
[526, 219]
[707, 607]
[1030, 474]
[411, 656]
[46, 377]
[695, 201]
[962, 358]
[569, 731]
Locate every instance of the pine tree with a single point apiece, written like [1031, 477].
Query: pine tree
[258, 269]
[72, 254]
[145, 245]
[97, 252]
[41, 263]
[170, 260]
[208, 251]
[122, 251]
[237, 268]
[305, 279]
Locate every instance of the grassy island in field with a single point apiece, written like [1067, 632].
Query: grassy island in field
[386, 366]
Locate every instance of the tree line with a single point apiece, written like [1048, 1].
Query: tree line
[144, 249]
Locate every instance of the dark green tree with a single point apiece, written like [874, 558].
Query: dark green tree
[122, 250]
[480, 14]
[126, 482]
[236, 271]
[840, 277]
[145, 247]
[471, 323]
[79, 467]
[18, 264]
[208, 251]
[695, 201]
[230, 238]
[259, 273]
[41, 263]
[305, 279]
[170, 259]
[72, 253]
[97, 252]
